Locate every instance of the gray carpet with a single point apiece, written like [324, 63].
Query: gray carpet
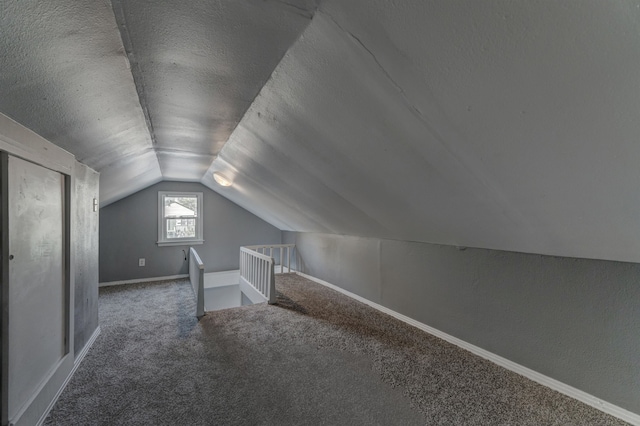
[317, 357]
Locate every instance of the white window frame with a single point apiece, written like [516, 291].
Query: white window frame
[162, 236]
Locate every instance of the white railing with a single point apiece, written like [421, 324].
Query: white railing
[196, 276]
[257, 276]
[286, 251]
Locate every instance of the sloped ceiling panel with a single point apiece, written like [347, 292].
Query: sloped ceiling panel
[65, 75]
[199, 64]
[120, 178]
[489, 124]
[336, 140]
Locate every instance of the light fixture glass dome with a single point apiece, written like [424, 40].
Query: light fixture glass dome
[221, 179]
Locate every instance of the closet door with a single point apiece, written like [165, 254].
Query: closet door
[37, 290]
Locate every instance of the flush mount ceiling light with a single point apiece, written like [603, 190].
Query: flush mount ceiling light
[221, 179]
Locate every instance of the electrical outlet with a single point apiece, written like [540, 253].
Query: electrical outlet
[141, 261]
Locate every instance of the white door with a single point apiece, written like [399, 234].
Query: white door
[37, 326]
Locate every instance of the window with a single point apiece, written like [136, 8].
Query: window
[179, 218]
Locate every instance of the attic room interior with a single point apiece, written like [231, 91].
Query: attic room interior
[468, 169]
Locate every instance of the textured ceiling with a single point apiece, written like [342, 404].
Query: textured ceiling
[198, 65]
[64, 74]
[141, 91]
[507, 125]
[497, 124]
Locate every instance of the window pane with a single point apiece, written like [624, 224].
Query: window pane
[181, 228]
[180, 206]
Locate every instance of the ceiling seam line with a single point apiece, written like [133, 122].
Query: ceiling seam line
[267, 80]
[136, 72]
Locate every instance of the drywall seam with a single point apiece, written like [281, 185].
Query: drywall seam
[143, 280]
[76, 364]
[554, 384]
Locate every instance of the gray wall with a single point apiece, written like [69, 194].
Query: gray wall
[85, 245]
[575, 320]
[129, 231]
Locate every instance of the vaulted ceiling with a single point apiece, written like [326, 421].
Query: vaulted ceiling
[497, 124]
[140, 90]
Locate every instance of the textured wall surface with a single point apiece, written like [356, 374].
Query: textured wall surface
[85, 244]
[575, 320]
[129, 231]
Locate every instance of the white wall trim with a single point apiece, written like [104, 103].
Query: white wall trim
[86, 348]
[143, 280]
[163, 239]
[23, 142]
[76, 364]
[554, 384]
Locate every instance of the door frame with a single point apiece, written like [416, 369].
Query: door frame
[18, 141]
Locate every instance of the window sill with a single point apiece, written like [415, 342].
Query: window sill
[180, 243]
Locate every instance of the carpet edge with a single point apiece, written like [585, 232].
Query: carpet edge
[537, 377]
[76, 364]
[142, 280]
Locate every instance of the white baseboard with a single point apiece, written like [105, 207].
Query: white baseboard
[76, 364]
[554, 384]
[86, 348]
[143, 280]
